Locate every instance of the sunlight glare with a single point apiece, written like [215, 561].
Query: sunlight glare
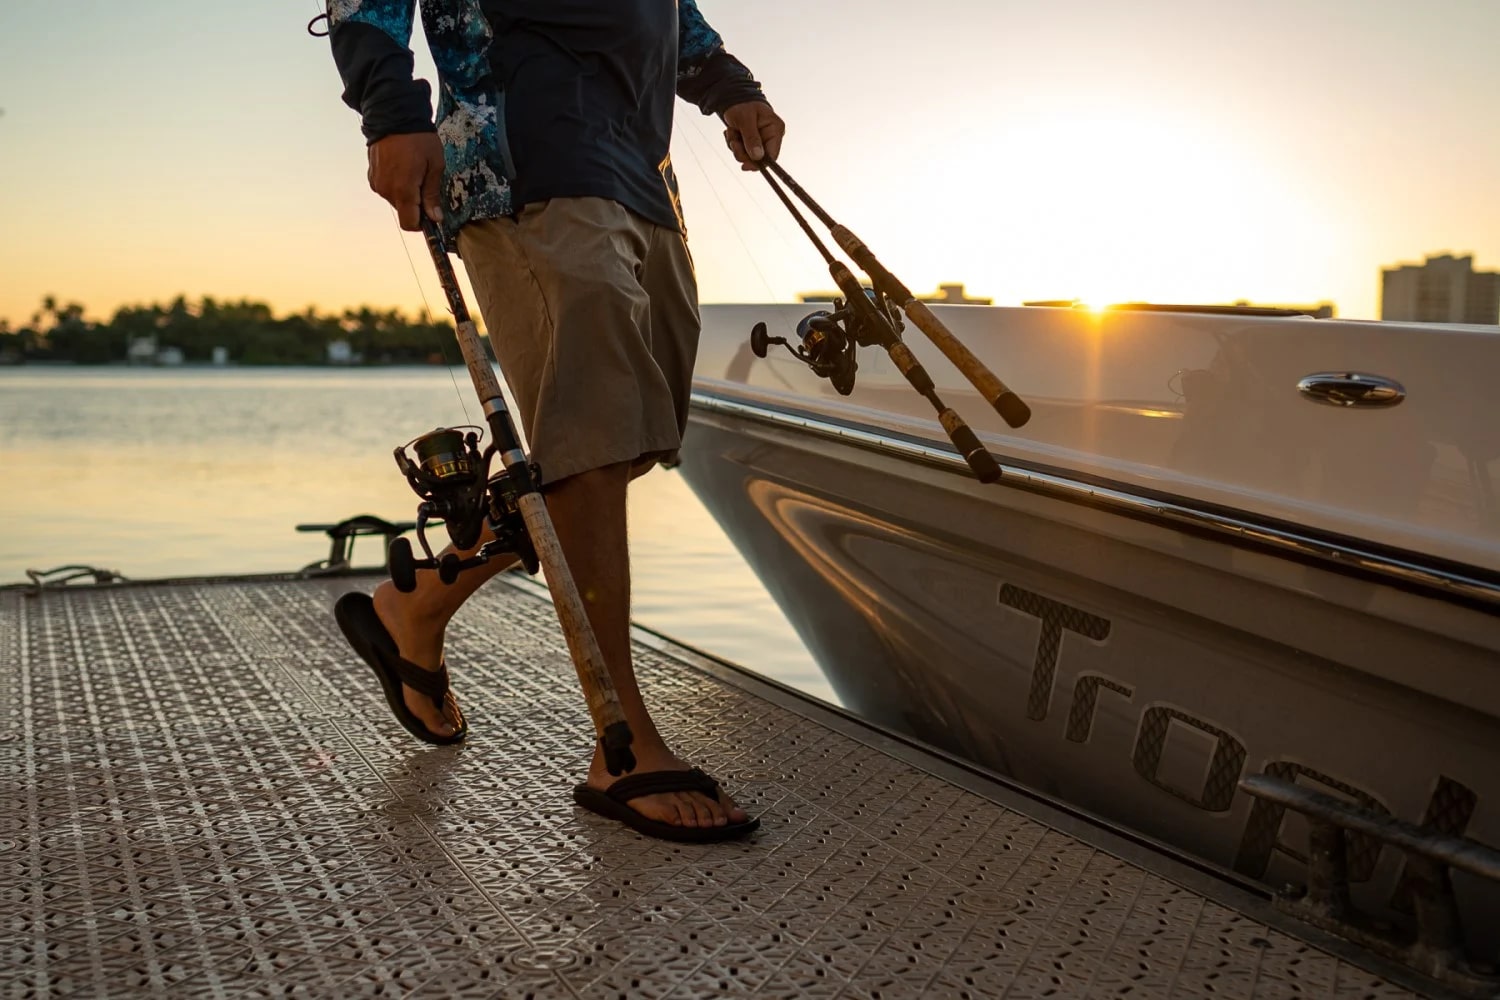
[1113, 205]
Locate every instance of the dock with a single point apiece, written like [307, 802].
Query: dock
[206, 796]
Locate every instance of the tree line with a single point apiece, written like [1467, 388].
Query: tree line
[249, 332]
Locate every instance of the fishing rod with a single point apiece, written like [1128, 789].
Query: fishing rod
[452, 477]
[1012, 409]
[871, 317]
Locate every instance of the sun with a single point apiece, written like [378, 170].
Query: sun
[1118, 204]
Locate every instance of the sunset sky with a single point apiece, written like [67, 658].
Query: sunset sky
[1168, 150]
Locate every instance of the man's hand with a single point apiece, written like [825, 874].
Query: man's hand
[753, 132]
[407, 171]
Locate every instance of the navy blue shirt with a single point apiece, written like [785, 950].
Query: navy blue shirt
[588, 88]
[589, 108]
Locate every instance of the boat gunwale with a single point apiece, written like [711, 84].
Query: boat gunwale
[1434, 577]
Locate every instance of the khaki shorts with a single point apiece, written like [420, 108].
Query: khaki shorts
[593, 315]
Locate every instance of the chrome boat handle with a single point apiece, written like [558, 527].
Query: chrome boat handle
[1351, 389]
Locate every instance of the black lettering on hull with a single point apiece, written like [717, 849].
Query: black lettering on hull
[1449, 808]
[1085, 698]
[1055, 617]
[1222, 780]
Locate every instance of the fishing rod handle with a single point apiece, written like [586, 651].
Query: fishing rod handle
[476, 358]
[593, 674]
[481, 372]
[967, 442]
[588, 660]
[1011, 407]
[866, 259]
[964, 439]
[446, 278]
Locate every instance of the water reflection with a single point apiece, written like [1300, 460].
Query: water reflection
[198, 471]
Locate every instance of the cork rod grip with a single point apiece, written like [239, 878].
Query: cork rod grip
[478, 362]
[593, 675]
[980, 460]
[1011, 407]
[588, 660]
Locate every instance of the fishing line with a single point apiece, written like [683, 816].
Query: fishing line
[739, 176]
[828, 257]
[426, 307]
[427, 310]
[781, 320]
[771, 292]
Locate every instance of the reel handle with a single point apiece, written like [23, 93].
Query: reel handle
[402, 564]
[760, 340]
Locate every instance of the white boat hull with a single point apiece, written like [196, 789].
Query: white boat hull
[1130, 664]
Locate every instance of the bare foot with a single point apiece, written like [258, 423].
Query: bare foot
[676, 808]
[419, 642]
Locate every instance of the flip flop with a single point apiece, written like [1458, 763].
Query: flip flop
[355, 613]
[614, 803]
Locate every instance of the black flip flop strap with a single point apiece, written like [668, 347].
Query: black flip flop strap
[432, 683]
[633, 786]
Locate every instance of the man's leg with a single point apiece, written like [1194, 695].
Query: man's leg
[560, 289]
[418, 620]
[588, 511]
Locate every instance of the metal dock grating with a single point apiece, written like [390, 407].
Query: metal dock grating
[205, 795]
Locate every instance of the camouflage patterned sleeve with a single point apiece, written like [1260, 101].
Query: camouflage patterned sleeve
[371, 42]
[695, 39]
[707, 75]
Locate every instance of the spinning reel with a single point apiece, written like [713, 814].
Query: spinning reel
[872, 317]
[828, 339]
[451, 475]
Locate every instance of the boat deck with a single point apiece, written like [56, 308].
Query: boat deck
[206, 796]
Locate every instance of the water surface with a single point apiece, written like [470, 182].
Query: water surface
[179, 472]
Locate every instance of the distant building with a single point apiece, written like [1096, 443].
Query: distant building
[142, 351]
[954, 295]
[825, 296]
[221, 356]
[340, 353]
[947, 293]
[1443, 289]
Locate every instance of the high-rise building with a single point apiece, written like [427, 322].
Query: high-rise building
[1444, 289]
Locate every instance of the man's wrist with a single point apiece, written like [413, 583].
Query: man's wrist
[722, 81]
[423, 128]
[396, 109]
[758, 99]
